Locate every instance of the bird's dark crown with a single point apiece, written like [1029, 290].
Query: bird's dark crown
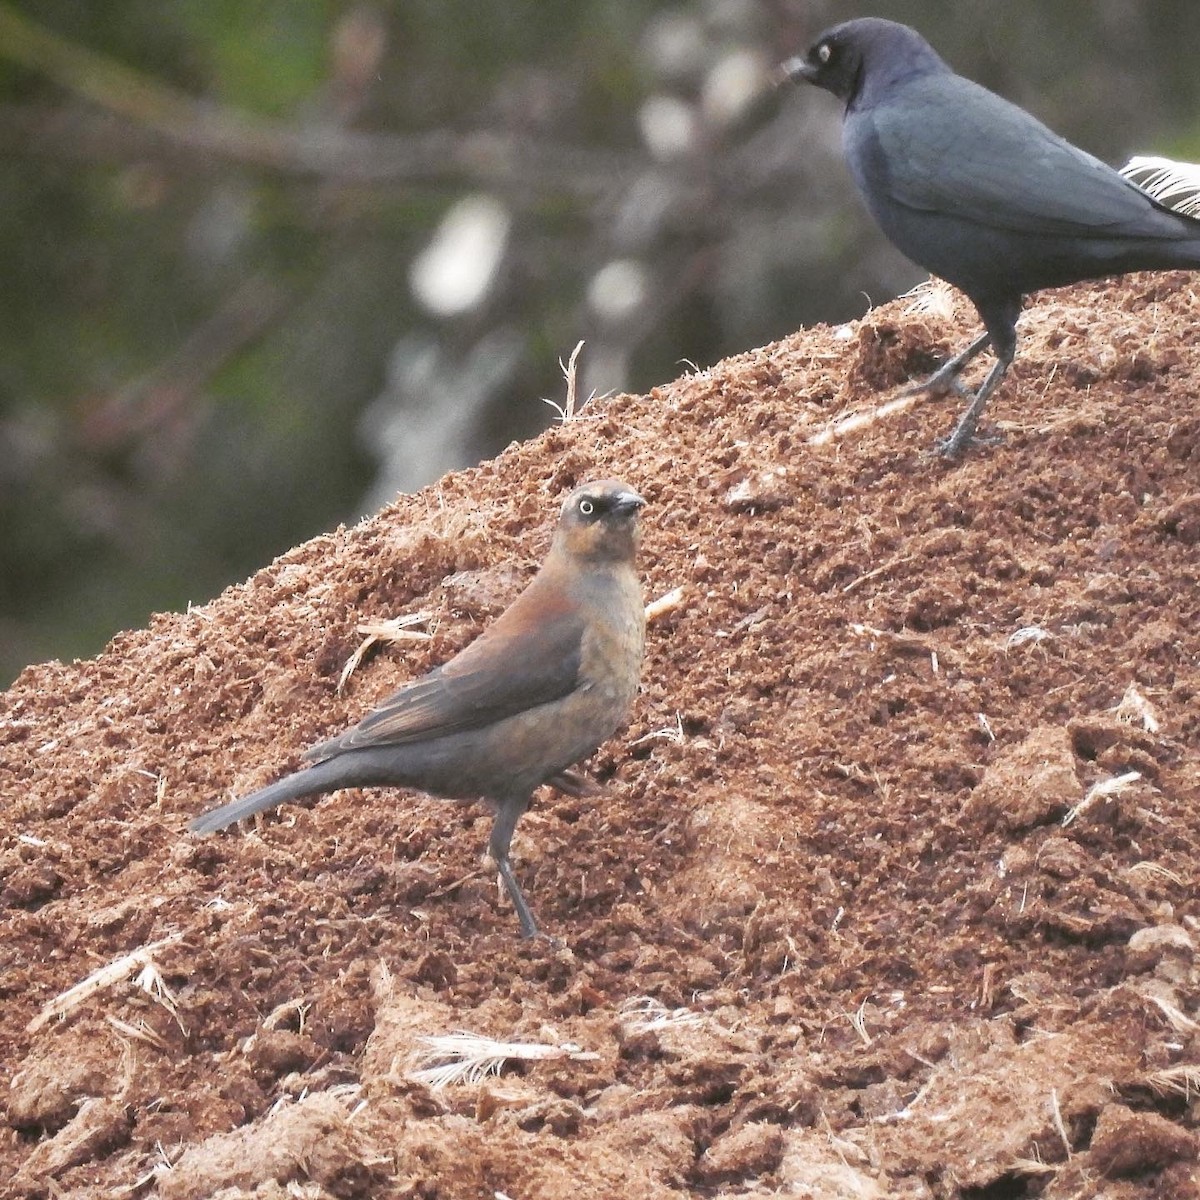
[868, 53]
[599, 520]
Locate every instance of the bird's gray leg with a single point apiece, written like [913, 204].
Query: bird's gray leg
[1000, 319]
[945, 378]
[529, 927]
[507, 815]
[964, 431]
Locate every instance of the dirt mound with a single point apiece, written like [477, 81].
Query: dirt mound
[892, 892]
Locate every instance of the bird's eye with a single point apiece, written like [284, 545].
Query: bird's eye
[824, 52]
[586, 507]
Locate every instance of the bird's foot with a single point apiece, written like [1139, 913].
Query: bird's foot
[548, 940]
[964, 433]
[953, 448]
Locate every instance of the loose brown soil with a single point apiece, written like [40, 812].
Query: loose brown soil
[861, 912]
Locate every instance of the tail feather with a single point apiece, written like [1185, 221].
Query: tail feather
[311, 782]
[1174, 185]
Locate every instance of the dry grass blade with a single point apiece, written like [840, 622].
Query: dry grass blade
[150, 980]
[987, 988]
[1104, 790]
[144, 1181]
[571, 408]
[1030, 633]
[858, 1022]
[114, 972]
[644, 1014]
[903, 641]
[398, 629]
[1183, 1080]
[879, 571]
[1135, 709]
[1175, 1016]
[468, 1058]
[1056, 1109]
[141, 1032]
[862, 420]
[932, 298]
[281, 1012]
[665, 604]
[1033, 1167]
[1157, 870]
[668, 733]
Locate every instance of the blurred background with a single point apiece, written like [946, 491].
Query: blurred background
[265, 263]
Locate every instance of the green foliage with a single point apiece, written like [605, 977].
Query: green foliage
[264, 56]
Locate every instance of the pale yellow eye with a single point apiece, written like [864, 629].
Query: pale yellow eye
[825, 52]
[586, 507]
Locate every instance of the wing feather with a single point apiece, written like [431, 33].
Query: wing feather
[996, 165]
[530, 656]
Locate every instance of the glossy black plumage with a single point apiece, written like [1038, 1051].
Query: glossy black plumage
[553, 677]
[978, 191]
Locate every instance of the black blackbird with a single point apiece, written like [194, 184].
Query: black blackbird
[979, 192]
[537, 691]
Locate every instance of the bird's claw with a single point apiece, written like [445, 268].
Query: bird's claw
[953, 447]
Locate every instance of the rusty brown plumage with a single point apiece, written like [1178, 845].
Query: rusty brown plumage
[536, 692]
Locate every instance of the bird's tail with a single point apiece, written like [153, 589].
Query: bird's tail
[323, 777]
[1174, 185]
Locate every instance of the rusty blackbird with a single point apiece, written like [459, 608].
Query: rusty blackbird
[553, 677]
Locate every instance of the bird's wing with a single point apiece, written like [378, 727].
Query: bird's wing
[947, 145]
[529, 657]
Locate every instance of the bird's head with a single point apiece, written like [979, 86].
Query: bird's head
[599, 522]
[869, 53]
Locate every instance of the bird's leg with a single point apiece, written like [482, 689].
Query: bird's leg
[964, 431]
[529, 927]
[507, 815]
[1000, 320]
[945, 378]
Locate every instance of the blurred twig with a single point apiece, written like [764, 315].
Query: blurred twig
[157, 110]
[159, 397]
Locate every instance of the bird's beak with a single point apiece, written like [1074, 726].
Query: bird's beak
[794, 70]
[627, 502]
